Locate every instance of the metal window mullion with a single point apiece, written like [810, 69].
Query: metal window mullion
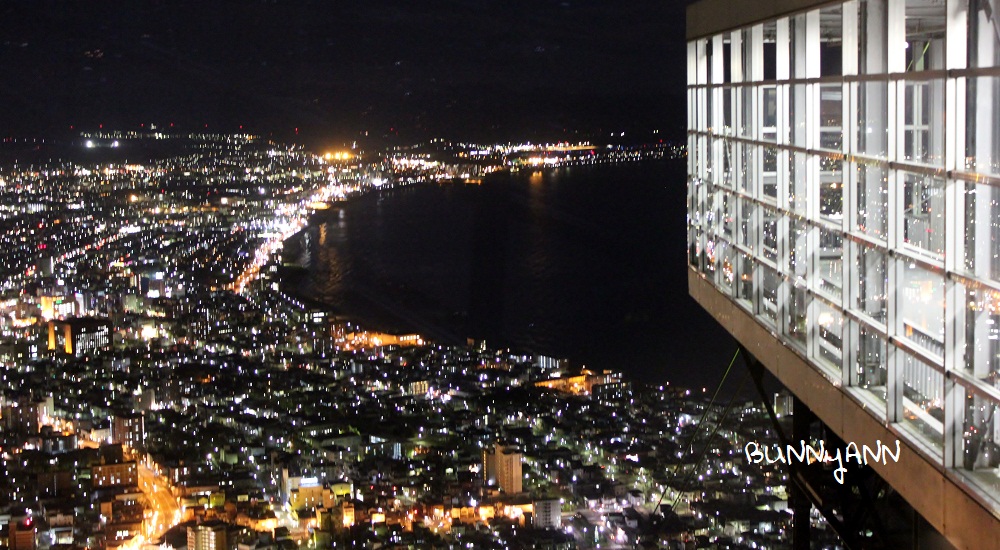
[849, 34]
[736, 56]
[702, 61]
[896, 36]
[894, 361]
[717, 70]
[757, 53]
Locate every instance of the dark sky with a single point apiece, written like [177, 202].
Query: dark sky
[453, 68]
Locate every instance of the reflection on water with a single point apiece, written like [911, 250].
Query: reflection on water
[586, 263]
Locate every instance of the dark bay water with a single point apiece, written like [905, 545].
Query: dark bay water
[585, 262]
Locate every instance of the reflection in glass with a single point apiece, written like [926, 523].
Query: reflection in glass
[923, 122]
[981, 441]
[979, 334]
[798, 304]
[830, 333]
[871, 269]
[873, 201]
[770, 280]
[798, 195]
[923, 213]
[769, 234]
[920, 308]
[870, 363]
[831, 106]
[923, 407]
[982, 230]
[831, 262]
[831, 189]
[798, 247]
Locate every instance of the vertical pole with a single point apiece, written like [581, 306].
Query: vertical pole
[801, 532]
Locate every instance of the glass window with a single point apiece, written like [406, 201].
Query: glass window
[798, 307]
[798, 249]
[709, 206]
[831, 189]
[984, 41]
[707, 97]
[726, 154]
[727, 111]
[872, 282]
[831, 263]
[747, 43]
[872, 36]
[692, 96]
[923, 122]
[694, 214]
[798, 119]
[744, 284]
[980, 445]
[831, 23]
[769, 113]
[747, 225]
[769, 179]
[727, 215]
[873, 201]
[770, 281]
[724, 162]
[708, 265]
[725, 270]
[923, 213]
[829, 335]
[748, 167]
[925, 32]
[798, 182]
[923, 407]
[831, 106]
[982, 137]
[694, 247]
[870, 363]
[769, 234]
[920, 307]
[748, 120]
[873, 106]
[979, 334]
[770, 50]
[692, 155]
[982, 230]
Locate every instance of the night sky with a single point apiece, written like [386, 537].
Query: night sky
[406, 70]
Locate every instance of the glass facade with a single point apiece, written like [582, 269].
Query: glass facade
[844, 189]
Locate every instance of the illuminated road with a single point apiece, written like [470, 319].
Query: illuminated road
[163, 506]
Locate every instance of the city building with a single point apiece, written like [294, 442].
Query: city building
[210, 535]
[844, 224]
[503, 468]
[115, 475]
[80, 336]
[547, 514]
[128, 429]
[22, 534]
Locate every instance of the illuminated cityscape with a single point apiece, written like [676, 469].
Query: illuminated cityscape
[163, 388]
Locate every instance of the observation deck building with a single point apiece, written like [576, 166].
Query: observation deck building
[844, 225]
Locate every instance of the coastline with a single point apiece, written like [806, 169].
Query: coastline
[504, 311]
[380, 314]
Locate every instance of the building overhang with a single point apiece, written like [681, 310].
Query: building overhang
[966, 520]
